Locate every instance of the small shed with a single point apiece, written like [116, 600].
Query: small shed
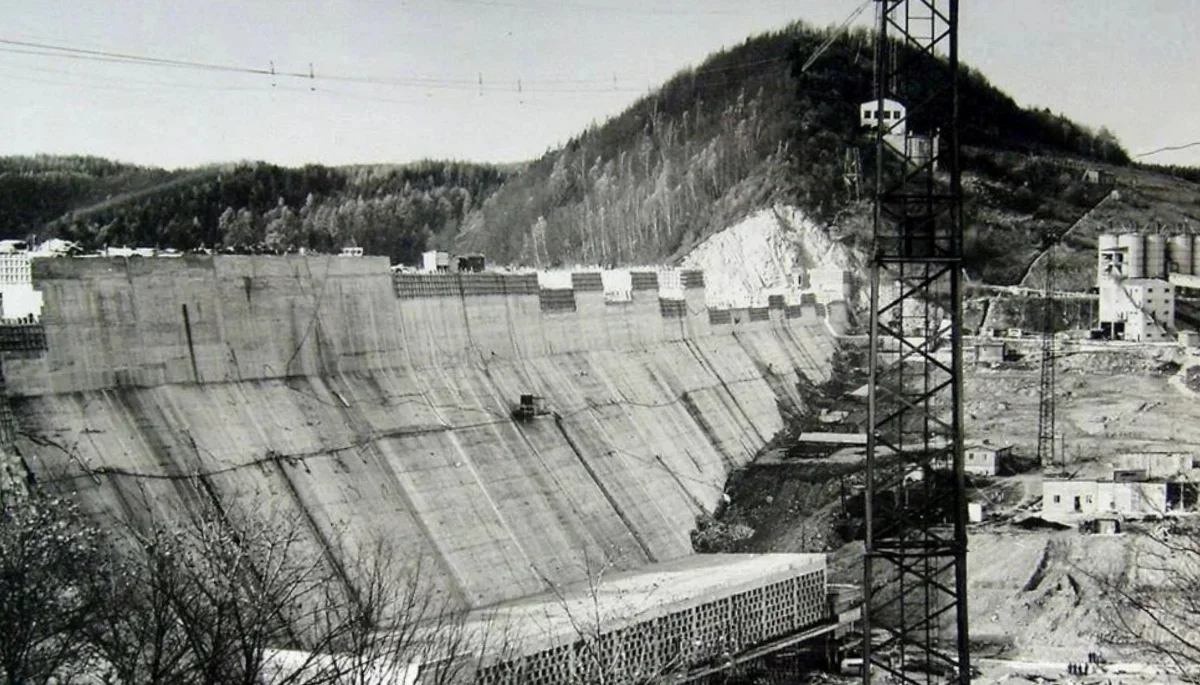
[1096, 176]
[975, 512]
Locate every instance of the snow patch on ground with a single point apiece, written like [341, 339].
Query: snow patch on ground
[765, 254]
[554, 280]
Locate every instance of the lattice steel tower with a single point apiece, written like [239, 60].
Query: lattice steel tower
[915, 574]
[1046, 387]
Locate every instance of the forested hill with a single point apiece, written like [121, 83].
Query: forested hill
[37, 190]
[735, 134]
[738, 133]
[394, 210]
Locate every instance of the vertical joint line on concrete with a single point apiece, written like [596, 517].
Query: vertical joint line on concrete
[604, 490]
[187, 327]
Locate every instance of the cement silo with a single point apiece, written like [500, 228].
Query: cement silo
[1135, 254]
[1179, 254]
[1156, 255]
[1196, 255]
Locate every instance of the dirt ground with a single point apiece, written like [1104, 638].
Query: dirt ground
[1037, 599]
[1107, 402]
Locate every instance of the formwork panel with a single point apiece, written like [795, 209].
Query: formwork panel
[587, 281]
[556, 301]
[718, 317]
[692, 279]
[28, 337]
[672, 309]
[644, 280]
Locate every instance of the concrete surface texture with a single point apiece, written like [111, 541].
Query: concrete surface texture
[319, 389]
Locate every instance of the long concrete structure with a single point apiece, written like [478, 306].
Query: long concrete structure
[367, 405]
[653, 625]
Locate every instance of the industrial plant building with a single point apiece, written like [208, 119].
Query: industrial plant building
[1137, 275]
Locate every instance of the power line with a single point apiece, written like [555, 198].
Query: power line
[547, 86]
[120, 83]
[110, 56]
[596, 85]
[1169, 148]
[834, 35]
[557, 86]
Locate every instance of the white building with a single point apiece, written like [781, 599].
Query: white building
[18, 299]
[1066, 498]
[1140, 309]
[1155, 464]
[891, 118]
[435, 260]
[983, 460]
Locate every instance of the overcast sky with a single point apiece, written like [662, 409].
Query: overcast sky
[1124, 64]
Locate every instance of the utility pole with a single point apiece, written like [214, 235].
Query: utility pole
[915, 567]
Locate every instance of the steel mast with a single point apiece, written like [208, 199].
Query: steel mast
[915, 575]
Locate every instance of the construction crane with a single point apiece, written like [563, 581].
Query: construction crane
[1047, 389]
[915, 570]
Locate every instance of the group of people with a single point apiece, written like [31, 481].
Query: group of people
[1086, 668]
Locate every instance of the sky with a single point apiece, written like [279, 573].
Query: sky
[505, 80]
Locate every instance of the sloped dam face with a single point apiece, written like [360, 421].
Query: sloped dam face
[367, 404]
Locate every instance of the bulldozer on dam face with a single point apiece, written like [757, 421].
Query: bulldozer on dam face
[531, 407]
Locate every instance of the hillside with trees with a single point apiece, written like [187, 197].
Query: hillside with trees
[36, 190]
[747, 129]
[250, 207]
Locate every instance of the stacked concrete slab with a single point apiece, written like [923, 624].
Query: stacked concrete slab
[369, 404]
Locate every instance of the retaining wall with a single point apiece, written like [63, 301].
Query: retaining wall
[369, 404]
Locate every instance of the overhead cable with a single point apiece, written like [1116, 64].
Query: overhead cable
[1169, 148]
[595, 85]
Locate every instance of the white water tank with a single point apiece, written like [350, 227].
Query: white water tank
[1156, 255]
[1135, 254]
[1179, 254]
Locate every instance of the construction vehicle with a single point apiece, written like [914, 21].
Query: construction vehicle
[530, 408]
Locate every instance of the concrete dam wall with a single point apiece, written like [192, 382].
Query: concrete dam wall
[366, 404]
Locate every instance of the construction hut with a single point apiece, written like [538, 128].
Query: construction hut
[982, 459]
